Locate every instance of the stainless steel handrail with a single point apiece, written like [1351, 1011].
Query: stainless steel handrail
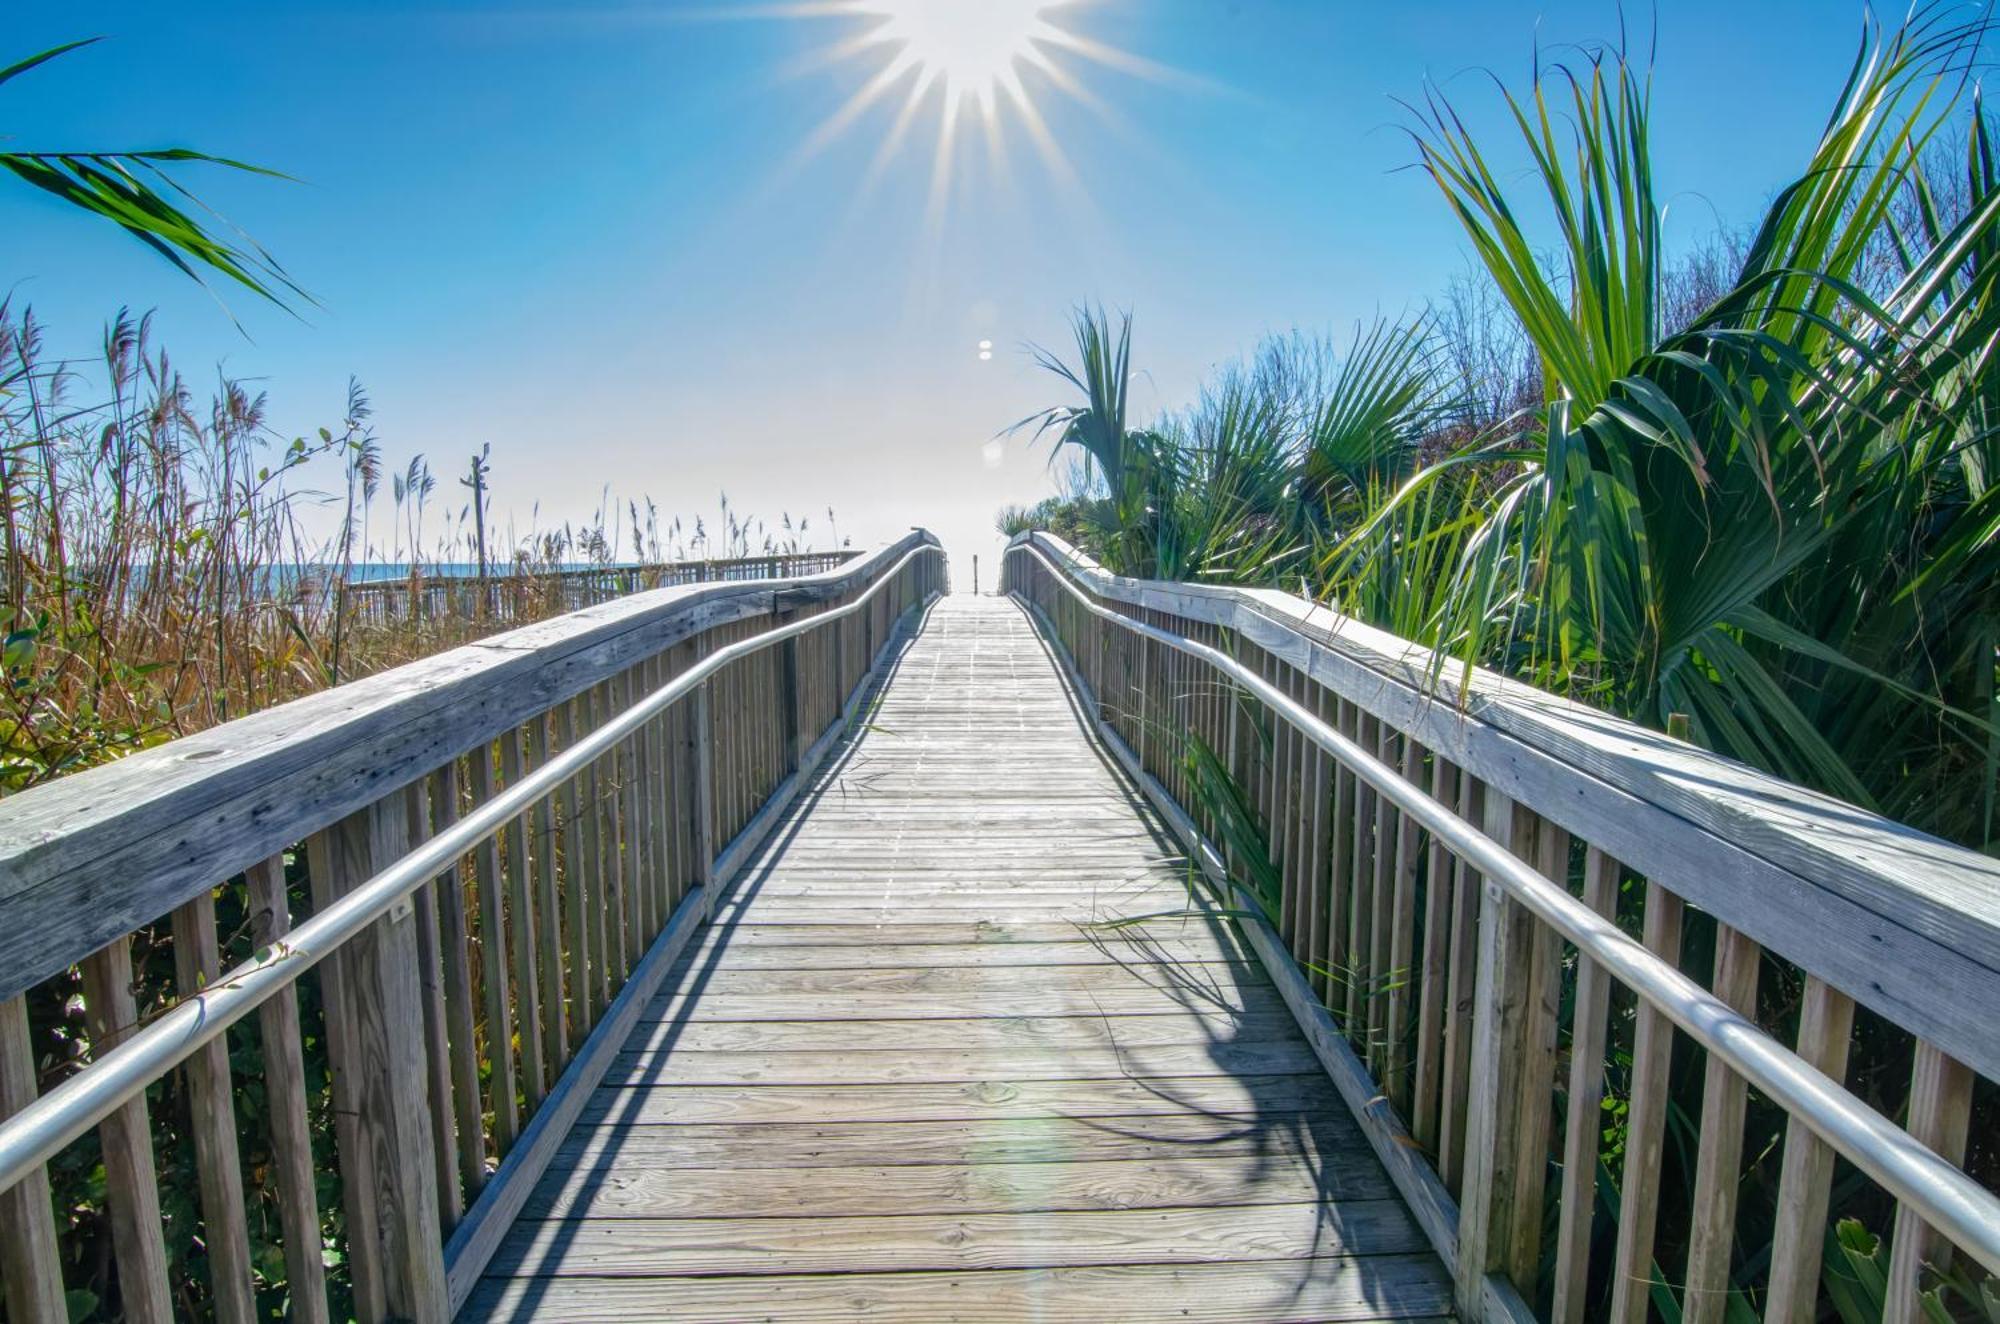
[1959, 1208]
[39, 1131]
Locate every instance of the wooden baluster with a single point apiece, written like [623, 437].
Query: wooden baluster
[499, 1041]
[701, 750]
[1381, 885]
[212, 1114]
[1503, 995]
[1298, 832]
[635, 811]
[1431, 990]
[130, 1177]
[1462, 982]
[430, 986]
[1652, 1054]
[393, 1134]
[580, 876]
[1319, 794]
[1577, 1202]
[550, 843]
[1805, 1180]
[285, 1098]
[1403, 941]
[30, 1265]
[1719, 1160]
[528, 999]
[607, 911]
[357, 1166]
[1360, 889]
[1940, 1118]
[1536, 1114]
[454, 937]
[1340, 869]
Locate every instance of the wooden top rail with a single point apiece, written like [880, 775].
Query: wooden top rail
[649, 574]
[1902, 922]
[89, 858]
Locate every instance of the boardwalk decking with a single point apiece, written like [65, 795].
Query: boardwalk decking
[906, 1076]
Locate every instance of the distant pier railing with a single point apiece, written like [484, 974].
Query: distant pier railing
[406, 923]
[1516, 920]
[534, 594]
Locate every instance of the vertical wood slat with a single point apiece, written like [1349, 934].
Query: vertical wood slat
[455, 942]
[1940, 1118]
[1805, 1179]
[1719, 1160]
[285, 1099]
[1652, 1055]
[548, 914]
[212, 1114]
[633, 836]
[1320, 827]
[580, 875]
[1340, 878]
[1454, 1091]
[1360, 886]
[1402, 941]
[1534, 1116]
[30, 1265]
[1431, 990]
[393, 1128]
[1502, 990]
[1589, 1030]
[493, 967]
[126, 1138]
[430, 991]
[1381, 902]
[521, 892]
[356, 1159]
[701, 758]
[608, 901]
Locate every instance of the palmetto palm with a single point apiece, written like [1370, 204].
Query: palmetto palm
[1780, 521]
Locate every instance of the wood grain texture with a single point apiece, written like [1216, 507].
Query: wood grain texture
[906, 1057]
[1904, 923]
[92, 856]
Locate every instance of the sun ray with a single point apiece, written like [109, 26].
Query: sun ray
[981, 63]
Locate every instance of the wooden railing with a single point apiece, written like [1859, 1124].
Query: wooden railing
[525, 596]
[483, 863]
[1473, 906]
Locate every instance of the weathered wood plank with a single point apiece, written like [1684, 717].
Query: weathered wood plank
[1314, 1291]
[890, 1242]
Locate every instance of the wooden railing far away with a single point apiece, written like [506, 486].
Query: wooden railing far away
[529, 595]
[481, 864]
[1470, 902]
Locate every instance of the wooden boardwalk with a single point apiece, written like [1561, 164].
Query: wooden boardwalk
[908, 1076]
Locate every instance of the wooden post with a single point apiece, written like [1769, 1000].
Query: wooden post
[702, 738]
[1499, 1034]
[28, 1258]
[285, 1097]
[385, 1060]
[130, 1177]
[790, 699]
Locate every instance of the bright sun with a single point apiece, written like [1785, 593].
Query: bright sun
[974, 47]
[981, 59]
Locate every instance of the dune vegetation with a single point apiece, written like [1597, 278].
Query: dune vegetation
[1752, 482]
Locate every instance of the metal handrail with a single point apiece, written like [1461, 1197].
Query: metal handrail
[37, 1132]
[1959, 1208]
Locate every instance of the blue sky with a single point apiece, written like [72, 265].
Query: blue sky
[588, 233]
